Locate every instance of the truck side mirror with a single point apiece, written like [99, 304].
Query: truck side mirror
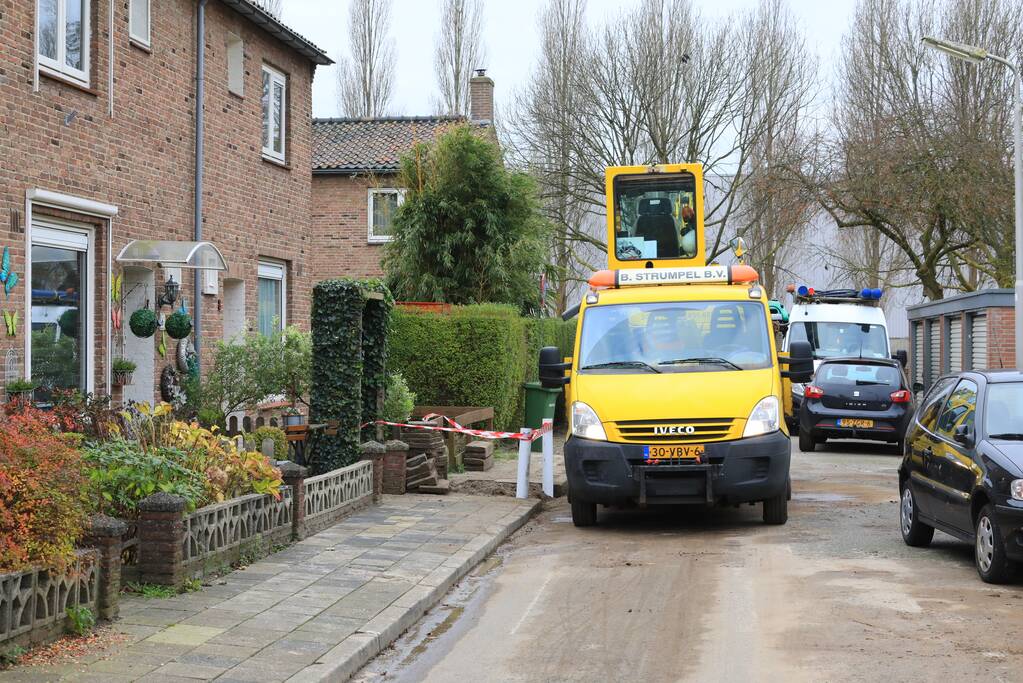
[800, 362]
[902, 357]
[552, 368]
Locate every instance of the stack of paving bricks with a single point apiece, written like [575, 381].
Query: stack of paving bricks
[429, 442]
[478, 456]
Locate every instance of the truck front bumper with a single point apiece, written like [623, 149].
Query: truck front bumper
[741, 471]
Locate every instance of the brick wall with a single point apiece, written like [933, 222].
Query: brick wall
[141, 159]
[1001, 347]
[340, 226]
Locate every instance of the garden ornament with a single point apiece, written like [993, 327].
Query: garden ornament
[143, 323]
[7, 276]
[186, 358]
[11, 320]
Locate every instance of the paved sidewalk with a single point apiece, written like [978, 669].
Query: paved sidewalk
[318, 610]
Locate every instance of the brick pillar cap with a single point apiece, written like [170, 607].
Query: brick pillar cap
[104, 526]
[395, 445]
[291, 470]
[372, 448]
[163, 502]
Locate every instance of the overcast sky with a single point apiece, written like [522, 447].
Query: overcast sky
[510, 37]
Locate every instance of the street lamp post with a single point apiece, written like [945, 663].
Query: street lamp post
[975, 55]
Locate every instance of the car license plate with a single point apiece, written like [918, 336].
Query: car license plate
[689, 451]
[853, 422]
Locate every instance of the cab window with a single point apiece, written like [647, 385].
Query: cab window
[655, 217]
[960, 409]
[934, 402]
[695, 336]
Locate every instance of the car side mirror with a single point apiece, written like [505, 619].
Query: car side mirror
[964, 435]
[902, 357]
[552, 368]
[800, 362]
[918, 387]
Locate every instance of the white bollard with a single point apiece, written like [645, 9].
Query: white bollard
[548, 458]
[522, 482]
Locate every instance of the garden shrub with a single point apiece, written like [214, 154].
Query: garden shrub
[276, 435]
[336, 393]
[398, 400]
[121, 474]
[376, 320]
[473, 356]
[43, 499]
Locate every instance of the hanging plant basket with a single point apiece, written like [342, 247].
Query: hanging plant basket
[178, 325]
[122, 379]
[143, 323]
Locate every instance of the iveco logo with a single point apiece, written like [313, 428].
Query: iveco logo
[675, 429]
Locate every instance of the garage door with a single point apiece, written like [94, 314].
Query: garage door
[918, 352]
[934, 334]
[978, 341]
[955, 344]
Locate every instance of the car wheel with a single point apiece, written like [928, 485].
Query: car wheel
[914, 532]
[776, 510]
[806, 442]
[584, 513]
[992, 563]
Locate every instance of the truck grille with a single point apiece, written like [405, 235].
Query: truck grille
[658, 431]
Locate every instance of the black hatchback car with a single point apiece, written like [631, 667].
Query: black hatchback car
[855, 398]
[963, 468]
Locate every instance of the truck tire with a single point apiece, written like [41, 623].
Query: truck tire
[584, 513]
[806, 442]
[776, 510]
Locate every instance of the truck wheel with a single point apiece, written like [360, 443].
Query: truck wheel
[806, 442]
[992, 564]
[776, 510]
[584, 513]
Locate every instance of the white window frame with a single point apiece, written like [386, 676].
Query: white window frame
[58, 67]
[276, 78]
[374, 238]
[236, 58]
[145, 40]
[269, 269]
[50, 232]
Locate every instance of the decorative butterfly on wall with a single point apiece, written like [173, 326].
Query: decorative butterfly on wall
[7, 276]
[11, 320]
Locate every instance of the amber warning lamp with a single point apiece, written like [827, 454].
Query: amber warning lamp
[631, 277]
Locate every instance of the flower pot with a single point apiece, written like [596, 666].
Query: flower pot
[122, 379]
[293, 420]
[24, 396]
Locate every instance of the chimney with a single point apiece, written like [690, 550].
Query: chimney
[481, 98]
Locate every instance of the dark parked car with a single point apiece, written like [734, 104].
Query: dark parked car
[963, 468]
[861, 398]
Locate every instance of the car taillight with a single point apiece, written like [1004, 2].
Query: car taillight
[901, 396]
[812, 391]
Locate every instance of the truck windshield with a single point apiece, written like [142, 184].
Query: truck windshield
[655, 216]
[842, 340]
[696, 336]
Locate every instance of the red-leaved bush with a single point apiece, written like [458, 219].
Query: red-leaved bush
[43, 498]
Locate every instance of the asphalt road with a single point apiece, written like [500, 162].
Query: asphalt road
[690, 595]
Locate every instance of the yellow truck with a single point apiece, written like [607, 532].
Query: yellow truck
[674, 388]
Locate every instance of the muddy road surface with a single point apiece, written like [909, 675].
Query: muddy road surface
[680, 594]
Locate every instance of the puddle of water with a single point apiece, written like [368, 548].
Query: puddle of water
[821, 497]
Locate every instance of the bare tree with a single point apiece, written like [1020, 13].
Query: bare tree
[459, 50]
[366, 75]
[274, 7]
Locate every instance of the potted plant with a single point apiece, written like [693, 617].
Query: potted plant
[293, 417]
[21, 390]
[122, 370]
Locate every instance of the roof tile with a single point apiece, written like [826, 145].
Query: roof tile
[372, 145]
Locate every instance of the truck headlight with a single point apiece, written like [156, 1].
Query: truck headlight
[585, 423]
[764, 419]
[1016, 489]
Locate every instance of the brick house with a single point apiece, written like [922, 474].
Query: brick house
[355, 180]
[99, 130]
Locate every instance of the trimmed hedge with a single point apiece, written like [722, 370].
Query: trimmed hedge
[473, 356]
[336, 392]
[376, 320]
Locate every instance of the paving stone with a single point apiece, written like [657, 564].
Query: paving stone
[190, 671]
[182, 634]
[248, 637]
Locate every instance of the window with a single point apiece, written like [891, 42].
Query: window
[842, 339]
[139, 22]
[934, 402]
[859, 375]
[1004, 411]
[275, 90]
[383, 204]
[63, 35]
[959, 411]
[60, 345]
[236, 65]
[655, 217]
[272, 293]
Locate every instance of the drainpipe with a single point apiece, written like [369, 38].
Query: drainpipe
[200, 122]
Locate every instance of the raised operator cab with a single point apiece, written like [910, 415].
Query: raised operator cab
[674, 388]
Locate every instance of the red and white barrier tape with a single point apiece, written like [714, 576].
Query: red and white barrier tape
[533, 435]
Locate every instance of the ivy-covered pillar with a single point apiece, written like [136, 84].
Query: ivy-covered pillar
[336, 391]
[376, 320]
